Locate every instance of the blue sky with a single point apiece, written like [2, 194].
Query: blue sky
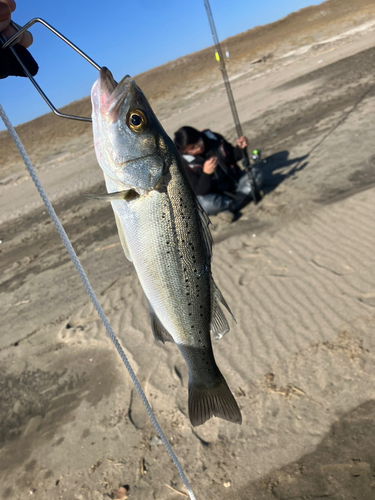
[126, 36]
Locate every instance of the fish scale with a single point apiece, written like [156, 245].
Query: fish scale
[164, 232]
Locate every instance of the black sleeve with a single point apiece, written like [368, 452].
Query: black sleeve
[237, 153]
[199, 180]
[9, 66]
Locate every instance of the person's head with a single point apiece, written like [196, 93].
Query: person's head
[189, 140]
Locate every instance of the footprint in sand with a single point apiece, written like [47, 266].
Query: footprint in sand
[137, 413]
[258, 263]
[368, 298]
[261, 266]
[279, 272]
[181, 372]
[77, 330]
[207, 433]
[332, 265]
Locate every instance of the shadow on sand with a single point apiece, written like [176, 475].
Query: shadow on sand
[341, 468]
[278, 167]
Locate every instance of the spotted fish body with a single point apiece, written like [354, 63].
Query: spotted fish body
[164, 232]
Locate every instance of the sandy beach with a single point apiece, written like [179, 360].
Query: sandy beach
[298, 271]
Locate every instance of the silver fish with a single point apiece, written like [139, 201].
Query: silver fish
[164, 232]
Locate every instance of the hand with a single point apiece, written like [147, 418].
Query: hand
[210, 165]
[242, 142]
[6, 8]
[9, 66]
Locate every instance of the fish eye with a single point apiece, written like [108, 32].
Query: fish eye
[136, 120]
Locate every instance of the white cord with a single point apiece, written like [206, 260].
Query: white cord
[92, 295]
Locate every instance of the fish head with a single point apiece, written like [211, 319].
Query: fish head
[130, 144]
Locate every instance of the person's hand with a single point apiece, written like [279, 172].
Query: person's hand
[210, 165]
[9, 66]
[6, 9]
[242, 142]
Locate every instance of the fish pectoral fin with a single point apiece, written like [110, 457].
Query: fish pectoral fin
[122, 238]
[127, 195]
[219, 324]
[160, 333]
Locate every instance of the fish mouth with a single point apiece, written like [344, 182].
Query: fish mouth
[112, 94]
[106, 82]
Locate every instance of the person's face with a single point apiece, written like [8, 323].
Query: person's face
[195, 149]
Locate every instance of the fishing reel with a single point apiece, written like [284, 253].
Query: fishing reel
[256, 155]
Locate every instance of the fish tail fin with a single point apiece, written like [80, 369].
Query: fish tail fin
[215, 401]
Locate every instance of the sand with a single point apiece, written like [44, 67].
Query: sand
[297, 270]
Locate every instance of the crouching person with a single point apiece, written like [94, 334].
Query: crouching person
[211, 166]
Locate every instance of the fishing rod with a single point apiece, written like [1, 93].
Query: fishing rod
[232, 103]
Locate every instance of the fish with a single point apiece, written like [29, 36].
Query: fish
[165, 234]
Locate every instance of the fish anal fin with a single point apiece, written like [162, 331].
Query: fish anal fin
[217, 401]
[160, 333]
[219, 324]
[122, 237]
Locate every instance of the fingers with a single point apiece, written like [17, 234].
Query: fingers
[6, 8]
[242, 142]
[209, 166]
[26, 39]
[5, 13]
[11, 4]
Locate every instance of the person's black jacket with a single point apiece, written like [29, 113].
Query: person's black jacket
[227, 172]
[9, 66]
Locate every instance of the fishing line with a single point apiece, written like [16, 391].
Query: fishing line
[92, 295]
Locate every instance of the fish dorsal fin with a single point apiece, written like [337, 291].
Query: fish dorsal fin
[160, 333]
[122, 238]
[205, 222]
[219, 324]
